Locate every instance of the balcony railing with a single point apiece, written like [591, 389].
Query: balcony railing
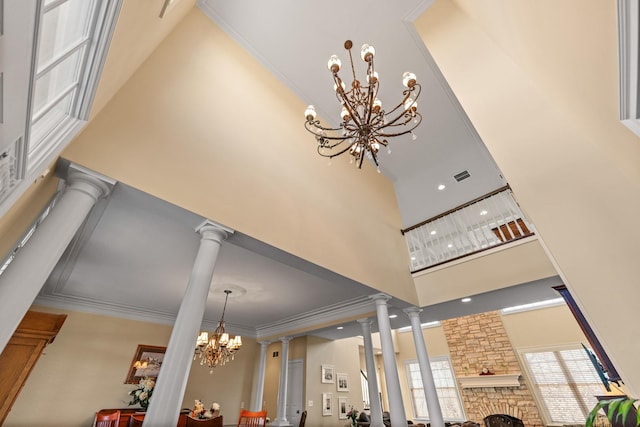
[487, 222]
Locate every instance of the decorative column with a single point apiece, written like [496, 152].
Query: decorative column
[396, 407]
[165, 404]
[27, 273]
[375, 406]
[429, 386]
[281, 418]
[259, 390]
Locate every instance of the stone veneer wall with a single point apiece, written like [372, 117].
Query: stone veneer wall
[481, 341]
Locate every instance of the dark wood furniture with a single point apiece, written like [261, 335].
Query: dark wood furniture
[252, 419]
[107, 418]
[211, 422]
[34, 332]
[127, 413]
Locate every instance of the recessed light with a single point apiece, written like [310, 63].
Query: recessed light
[433, 232]
[466, 299]
[340, 327]
[449, 245]
[483, 212]
[413, 258]
[441, 187]
[393, 316]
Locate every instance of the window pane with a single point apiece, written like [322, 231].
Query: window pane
[445, 388]
[48, 122]
[51, 84]
[62, 28]
[567, 383]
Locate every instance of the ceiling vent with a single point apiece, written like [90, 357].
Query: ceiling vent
[462, 175]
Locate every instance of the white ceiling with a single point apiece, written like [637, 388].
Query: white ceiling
[134, 255]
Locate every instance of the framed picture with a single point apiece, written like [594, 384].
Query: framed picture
[342, 382]
[146, 363]
[327, 404]
[327, 374]
[342, 408]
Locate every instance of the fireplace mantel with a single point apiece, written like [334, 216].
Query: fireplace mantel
[503, 380]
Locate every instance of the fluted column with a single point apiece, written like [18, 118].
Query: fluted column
[165, 404]
[428, 384]
[396, 407]
[281, 418]
[258, 393]
[375, 406]
[24, 277]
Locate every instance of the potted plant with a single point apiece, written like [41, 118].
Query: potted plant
[620, 411]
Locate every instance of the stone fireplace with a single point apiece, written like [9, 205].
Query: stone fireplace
[480, 342]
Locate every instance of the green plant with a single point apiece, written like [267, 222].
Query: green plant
[616, 409]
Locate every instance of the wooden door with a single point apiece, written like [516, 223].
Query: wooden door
[22, 352]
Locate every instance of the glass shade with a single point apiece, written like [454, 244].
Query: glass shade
[408, 79]
[345, 114]
[377, 105]
[367, 53]
[334, 64]
[410, 104]
[372, 78]
[310, 113]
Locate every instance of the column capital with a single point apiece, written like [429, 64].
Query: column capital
[88, 184]
[264, 343]
[365, 321]
[285, 340]
[413, 312]
[380, 299]
[212, 231]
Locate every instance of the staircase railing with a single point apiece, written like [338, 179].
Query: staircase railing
[484, 223]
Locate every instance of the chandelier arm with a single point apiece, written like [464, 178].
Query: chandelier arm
[417, 116]
[407, 93]
[370, 91]
[316, 124]
[343, 98]
[332, 155]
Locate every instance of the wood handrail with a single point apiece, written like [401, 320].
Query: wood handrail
[450, 211]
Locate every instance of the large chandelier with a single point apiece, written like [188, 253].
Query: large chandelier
[365, 125]
[219, 349]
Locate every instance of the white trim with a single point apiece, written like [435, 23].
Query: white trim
[532, 306]
[628, 57]
[480, 381]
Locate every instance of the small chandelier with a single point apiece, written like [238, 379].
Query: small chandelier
[220, 349]
[365, 125]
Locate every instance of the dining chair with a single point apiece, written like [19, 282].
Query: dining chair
[210, 422]
[136, 420]
[252, 419]
[303, 419]
[107, 418]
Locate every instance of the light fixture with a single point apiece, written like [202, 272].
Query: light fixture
[441, 187]
[219, 349]
[365, 125]
[467, 299]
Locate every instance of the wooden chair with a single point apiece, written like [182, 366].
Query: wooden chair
[303, 419]
[107, 419]
[136, 420]
[211, 422]
[252, 419]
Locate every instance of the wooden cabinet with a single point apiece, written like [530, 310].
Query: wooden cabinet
[22, 352]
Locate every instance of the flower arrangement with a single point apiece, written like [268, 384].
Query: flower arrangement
[142, 393]
[353, 416]
[203, 414]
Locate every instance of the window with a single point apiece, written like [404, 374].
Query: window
[566, 383]
[446, 389]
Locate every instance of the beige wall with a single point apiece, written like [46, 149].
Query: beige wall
[84, 370]
[178, 130]
[543, 96]
[344, 355]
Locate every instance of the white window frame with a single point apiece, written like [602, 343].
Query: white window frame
[410, 387]
[544, 411]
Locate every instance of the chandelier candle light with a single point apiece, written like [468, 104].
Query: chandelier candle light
[220, 349]
[365, 125]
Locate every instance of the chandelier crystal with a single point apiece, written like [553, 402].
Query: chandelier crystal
[365, 126]
[219, 349]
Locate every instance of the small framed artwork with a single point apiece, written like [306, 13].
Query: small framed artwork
[342, 408]
[327, 374]
[146, 362]
[327, 404]
[342, 382]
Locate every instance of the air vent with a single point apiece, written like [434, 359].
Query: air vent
[462, 175]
